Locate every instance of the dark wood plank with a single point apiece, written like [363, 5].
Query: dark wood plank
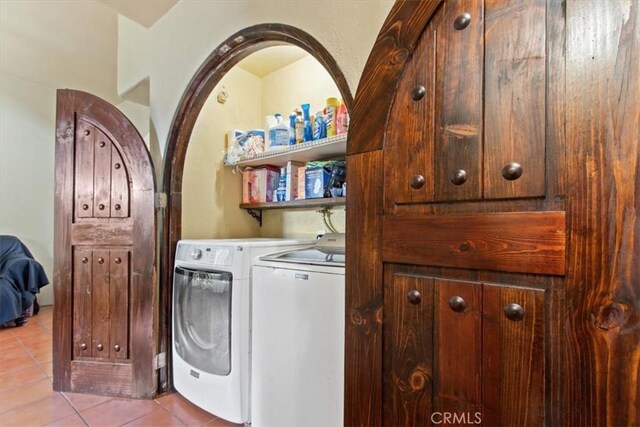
[89, 377]
[513, 358]
[409, 146]
[82, 302]
[363, 292]
[100, 303]
[458, 348]
[459, 102]
[63, 254]
[84, 158]
[603, 200]
[408, 350]
[514, 97]
[376, 90]
[119, 304]
[526, 242]
[110, 232]
[102, 176]
[119, 185]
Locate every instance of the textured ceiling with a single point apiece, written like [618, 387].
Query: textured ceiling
[270, 59]
[144, 12]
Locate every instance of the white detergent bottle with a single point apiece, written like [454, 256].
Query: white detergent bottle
[279, 134]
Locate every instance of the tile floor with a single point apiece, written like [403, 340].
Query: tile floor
[27, 398]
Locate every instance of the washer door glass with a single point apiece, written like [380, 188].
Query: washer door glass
[202, 319]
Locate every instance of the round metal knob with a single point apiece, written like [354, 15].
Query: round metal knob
[102, 144]
[418, 93]
[100, 260]
[462, 21]
[85, 260]
[116, 348]
[87, 132]
[196, 254]
[514, 312]
[512, 171]
[118, 207]
[457, 304]
[100, 347]
[118, 260]
[459, 177]
[101, 206]
[85, 207]
[83, 346]
[417, 182]
[117, 166]
[414, 297]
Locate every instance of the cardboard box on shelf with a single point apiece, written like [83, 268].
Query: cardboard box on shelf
[301, 183]
[258, 185]
[293, 171]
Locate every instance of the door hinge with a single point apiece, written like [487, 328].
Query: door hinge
[160, 361]
[161, 200]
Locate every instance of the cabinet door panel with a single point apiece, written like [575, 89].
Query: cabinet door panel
[458, 346]
[83, 179]
[514, 77]
[102, 176]
[459, 102]
[119, 186]
[408, 361]
[513, 356]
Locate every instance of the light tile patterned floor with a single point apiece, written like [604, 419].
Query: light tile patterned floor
[27, 398]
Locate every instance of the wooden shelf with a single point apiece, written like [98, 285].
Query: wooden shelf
[332, 147]
[296, 204]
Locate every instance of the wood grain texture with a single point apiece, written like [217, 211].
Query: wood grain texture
[408, 351]
[119, 197]
[514, 97]
[363, 292]
[84, 166]
[458, 103]
[218, 63]
[409, 139]
[114, 232]
[82, 302]
[101, 176]
[458, 348]
[85, 377]
[513, 358]
[603, 199]
[119, 304]
[376, 90]
[100, 307]
[526, 242]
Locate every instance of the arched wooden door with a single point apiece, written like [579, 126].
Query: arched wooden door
[493, 235]
[105, 284]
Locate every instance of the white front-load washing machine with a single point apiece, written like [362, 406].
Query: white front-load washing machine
[211, 321]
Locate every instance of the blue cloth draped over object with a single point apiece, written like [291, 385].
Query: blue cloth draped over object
[21, 278]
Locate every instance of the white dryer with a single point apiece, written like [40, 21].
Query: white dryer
[298, 326]
[211, 321]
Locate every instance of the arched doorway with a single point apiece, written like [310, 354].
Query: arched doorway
[220, 61]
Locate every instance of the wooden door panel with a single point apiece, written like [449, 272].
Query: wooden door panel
[119, 197]
[409, 159]
[408, 352]
[513, 371]
[458, 346]
[458, 102]
[83, 180]
[82, 300]
[514, 98]
[102, 176]
[119, 304]
[100, 318]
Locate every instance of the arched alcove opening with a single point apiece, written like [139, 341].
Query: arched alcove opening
[215, 67]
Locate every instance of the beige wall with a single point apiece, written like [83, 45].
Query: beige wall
[211, 192]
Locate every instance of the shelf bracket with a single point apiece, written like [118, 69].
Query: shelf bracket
[256, 214]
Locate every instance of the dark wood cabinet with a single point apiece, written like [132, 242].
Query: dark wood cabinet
[493, 244]
[105, 317]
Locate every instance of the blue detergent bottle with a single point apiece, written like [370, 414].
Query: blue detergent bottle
[292, 129]
[308, 132]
